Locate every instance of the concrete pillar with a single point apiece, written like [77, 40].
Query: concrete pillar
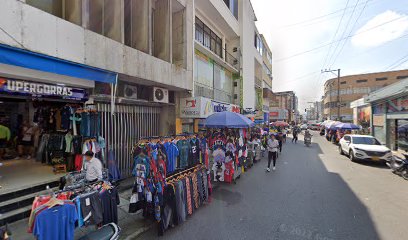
[178, 38]
[161, 30]
[73, 11]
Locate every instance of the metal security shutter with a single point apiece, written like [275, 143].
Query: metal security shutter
[125, 128]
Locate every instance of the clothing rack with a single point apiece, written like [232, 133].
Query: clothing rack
[167, 136]
[184, 171]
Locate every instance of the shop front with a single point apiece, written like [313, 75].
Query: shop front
[390, 115]
[44, 117]
[194, 109]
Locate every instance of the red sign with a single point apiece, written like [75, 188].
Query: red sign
[273, 114]
[235, 109]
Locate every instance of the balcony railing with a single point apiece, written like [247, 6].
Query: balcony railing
[231, 60]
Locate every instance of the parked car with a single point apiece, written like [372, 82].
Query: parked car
[363, 147]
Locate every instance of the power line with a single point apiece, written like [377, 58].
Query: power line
[349, 35]
[317, 18]
[327, 44]
[397, 63]
[335, 34]
[343, 34]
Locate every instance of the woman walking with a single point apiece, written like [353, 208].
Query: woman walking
[273, 145]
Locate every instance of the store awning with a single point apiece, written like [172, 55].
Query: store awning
[36, 61]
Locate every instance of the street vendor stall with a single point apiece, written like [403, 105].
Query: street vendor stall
[227, 144]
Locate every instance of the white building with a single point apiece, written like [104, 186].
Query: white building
[229, 65]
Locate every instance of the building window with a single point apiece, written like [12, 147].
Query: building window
[402, 77]
[269, 56]
[381, 79]
[233, 7]
[258, 43]
[344, 82]
[361, 81]
[208, 38]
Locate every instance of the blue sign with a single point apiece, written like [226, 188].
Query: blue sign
[41, 90]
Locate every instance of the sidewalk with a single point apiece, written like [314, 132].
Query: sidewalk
[132, 224]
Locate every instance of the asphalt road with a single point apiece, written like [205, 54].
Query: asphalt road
[314, 194]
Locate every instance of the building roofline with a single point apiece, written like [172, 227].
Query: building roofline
[362, 75]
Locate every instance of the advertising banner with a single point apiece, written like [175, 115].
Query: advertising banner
[36, 90]
[201, 107]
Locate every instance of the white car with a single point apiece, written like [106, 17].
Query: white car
[363, 147]
[303, 127]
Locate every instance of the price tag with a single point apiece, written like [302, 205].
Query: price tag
[87, 202]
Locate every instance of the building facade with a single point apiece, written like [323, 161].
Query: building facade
[353, 87]
[389, 115]
[132, 59]
[284, 102]
[232, 64]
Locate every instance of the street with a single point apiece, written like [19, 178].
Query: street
[314, 194]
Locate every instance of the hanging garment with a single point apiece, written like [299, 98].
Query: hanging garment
[180, 202]
[189, 205]
[114, 173]
[172, 153]
[91, 208]
[56, 223]
[195, 152]
[78, 162]
[110, 201]
[68, 142]
[184, 149]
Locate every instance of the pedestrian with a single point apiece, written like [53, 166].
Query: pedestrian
[295, 135]
[4, 139]
[280, 141]
[273, 145]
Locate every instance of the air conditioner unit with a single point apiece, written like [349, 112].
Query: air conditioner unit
[235, 62]
[160, 95]
[235, 49]
[130, 91]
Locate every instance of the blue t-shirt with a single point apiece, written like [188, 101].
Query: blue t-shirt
[172, 154]
[56, 223]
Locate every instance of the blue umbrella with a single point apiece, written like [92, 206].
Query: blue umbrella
[227, 120]
[347, 126]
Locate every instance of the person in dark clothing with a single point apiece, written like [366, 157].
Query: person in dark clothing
[280, 140]
[295, 135]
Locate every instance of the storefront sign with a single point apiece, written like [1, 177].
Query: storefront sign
[278, 114]
[34, 89]
[201, 107]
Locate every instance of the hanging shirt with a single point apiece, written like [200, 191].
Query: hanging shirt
[68, 143]
[184, 149]
[141, 166]
[195, 152]
[172, 153]
[56, 223]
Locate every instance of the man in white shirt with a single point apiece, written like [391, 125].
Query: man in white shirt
[93, 167]
[273, 145]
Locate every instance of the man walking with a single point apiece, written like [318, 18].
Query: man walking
[295, 135]
[273, 145]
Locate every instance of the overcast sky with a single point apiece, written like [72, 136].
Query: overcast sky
[368, 36]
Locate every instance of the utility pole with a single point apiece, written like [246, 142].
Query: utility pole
[338, 90]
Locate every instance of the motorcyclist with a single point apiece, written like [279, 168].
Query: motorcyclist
[308, 134]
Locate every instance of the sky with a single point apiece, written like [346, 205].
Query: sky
[306, 36]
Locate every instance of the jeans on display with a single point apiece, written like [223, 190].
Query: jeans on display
[90, 124]
[42, 148]
[85, 131]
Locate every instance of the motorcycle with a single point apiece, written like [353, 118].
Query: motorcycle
[110, 231]
[399, 166]
[308, 141]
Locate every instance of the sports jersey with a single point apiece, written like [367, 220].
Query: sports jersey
[172, 153]
[184, 150]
